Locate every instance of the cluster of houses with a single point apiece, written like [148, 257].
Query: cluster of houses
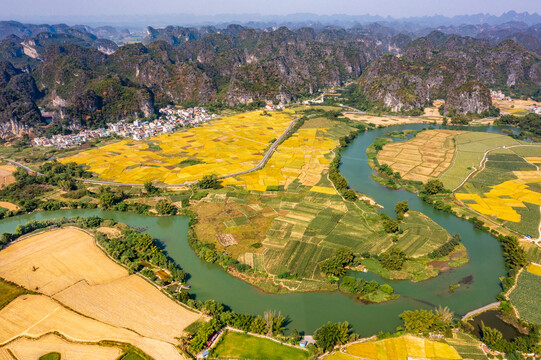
[64, 141]
[170, 119]
[271, 107]
[535, 109]
[498, 95]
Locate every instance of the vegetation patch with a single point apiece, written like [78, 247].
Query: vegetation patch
[236, 345]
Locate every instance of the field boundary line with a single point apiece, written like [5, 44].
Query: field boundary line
[111, 258]
[484, 160]
[25, 332]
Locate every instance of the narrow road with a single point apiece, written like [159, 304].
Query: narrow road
[261, 164]
[484, 160]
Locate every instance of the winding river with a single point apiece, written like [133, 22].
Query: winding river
[308, 311]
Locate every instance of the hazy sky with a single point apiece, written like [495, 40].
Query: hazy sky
[396, 8]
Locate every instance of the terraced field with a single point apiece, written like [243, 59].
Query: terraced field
[225, 146]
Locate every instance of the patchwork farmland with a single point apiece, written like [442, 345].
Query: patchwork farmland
[507, 189]
[424, 157]
[87, 297]
[225, 146]
[301, 221]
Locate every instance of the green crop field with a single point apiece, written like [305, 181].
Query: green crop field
[242, 346]
[8, 292]
[526, 297]
[470, 148]
[533, 252]
[414, 241]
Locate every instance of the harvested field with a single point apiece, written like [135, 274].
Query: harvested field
[109, 231]
[37, 315]
[62, 258]
[515, 106]
[6, 175]
[73, 270]
[9, 206]
[226, 239]
[30, 349]
[424, 157]
[225, 146]
[386, 120]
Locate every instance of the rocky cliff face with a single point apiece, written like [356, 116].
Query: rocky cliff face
[431, 67]
[471, 97]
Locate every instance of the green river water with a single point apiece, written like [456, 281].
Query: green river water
[308, 311]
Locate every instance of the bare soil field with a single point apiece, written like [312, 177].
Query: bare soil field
[6, 175]
[37, 315]
[32, 349]
[70, 268]
[422, 158]
[61, 257]
[515, 106]
[386, 120]
[8, 205]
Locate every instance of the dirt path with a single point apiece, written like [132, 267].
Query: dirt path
[484, 160]
[481, 309]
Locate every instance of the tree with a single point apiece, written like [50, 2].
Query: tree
[209, 182]
[391, 226]
[401, 207]
[332, 334]
[163, 207]
[275, 322]
[392, 259]
[350, 195]
[418, 321]
[489, 335]
[444, 315]
[150, 188]
[108, 200]
[386, 288]
[259, 326]
[433, 187]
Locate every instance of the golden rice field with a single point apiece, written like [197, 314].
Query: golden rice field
[400, 348]
[225, 146]
[304, 156]
[534, 269]
[503, 198]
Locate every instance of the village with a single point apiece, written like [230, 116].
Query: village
[170, 118]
